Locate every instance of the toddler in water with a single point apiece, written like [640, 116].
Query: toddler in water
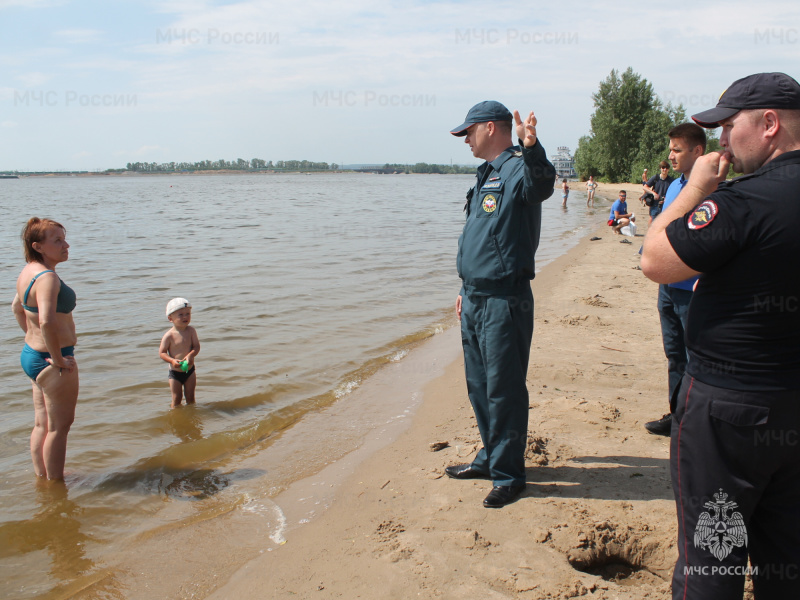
[179, 346]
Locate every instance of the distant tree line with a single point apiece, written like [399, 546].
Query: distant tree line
[258, 164]
[240, 164]
[430, 168]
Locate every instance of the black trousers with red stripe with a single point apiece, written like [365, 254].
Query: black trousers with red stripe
[735, 463]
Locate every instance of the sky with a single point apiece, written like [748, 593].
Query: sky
[93, 85]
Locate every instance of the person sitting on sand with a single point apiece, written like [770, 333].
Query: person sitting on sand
[179, 346]
[619, 215]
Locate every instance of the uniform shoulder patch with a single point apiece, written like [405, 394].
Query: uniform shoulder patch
[518, 153]
[703, 215]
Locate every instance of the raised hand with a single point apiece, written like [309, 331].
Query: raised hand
[526, 131]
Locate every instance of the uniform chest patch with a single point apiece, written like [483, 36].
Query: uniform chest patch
[489, 203]
[703, 215]
[492, 185]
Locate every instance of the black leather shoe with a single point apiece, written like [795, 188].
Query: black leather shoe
[502, 495]
[662, 426]
[464, 472]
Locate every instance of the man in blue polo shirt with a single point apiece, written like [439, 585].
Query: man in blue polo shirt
[687, 143]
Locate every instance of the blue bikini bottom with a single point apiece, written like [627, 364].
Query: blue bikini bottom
[33, 362]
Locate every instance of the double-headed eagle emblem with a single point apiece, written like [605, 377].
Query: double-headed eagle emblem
[720, 530]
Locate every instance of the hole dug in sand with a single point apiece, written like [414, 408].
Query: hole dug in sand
[618, 555]
[610, 568]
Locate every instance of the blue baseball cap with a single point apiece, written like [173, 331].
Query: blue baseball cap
[762, 90]
[482, 112]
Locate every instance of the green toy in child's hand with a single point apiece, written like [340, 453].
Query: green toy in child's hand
[185, 365]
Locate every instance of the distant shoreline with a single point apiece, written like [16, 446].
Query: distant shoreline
[213, 172]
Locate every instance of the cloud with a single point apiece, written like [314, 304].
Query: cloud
[33, 79]
[145, 151]
[30, 4]
[260, 77]
[79, 36]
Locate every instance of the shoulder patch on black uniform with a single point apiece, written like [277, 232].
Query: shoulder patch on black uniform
[703, 215]
[518, 153]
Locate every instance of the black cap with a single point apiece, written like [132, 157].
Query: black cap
[488, 110]
[762, 90]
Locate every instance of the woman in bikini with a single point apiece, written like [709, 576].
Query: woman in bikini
[43, 308]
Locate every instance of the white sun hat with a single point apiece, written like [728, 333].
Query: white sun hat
[177, 304]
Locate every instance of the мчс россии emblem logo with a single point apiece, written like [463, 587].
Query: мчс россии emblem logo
[720, 530]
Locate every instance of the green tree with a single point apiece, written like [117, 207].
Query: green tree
[585, 164]
[654, 143]
[712, 141]
[628, 128]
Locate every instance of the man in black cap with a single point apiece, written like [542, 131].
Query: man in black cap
[496, 264]
[735, 447]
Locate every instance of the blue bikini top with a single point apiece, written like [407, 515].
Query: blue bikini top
[65, 303]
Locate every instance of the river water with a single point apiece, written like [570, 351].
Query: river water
[303, 286]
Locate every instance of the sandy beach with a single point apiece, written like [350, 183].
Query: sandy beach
[372, 515]
[597, 519]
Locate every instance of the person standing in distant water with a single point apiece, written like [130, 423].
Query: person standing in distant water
[591, 186]
[43, 308]
[564, 192]
[495, 261]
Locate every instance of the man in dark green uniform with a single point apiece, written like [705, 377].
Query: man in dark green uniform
[496, 264]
